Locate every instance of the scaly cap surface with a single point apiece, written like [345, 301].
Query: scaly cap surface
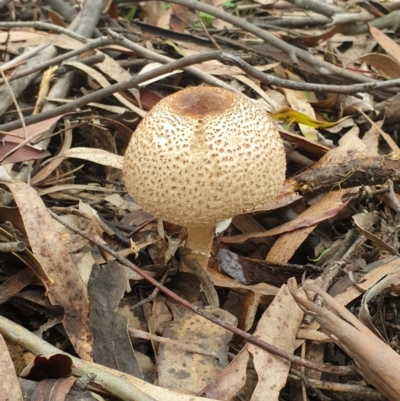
[203, 155]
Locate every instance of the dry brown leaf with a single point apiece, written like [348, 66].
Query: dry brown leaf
[104, 83]
[75, 188]
[388, 44]
[56, 389]
[126, 385]
[68, 290]
[4, 175]
[215, 67]
[374, 359]
[228, 383]
[385, 64]
[287, 244]
[36, 38]
[371, 141]
[326, 208]
[99, 156]
[11, 152]
[179, 17]
[55, 18]
[389, 140]
[299, 102]
[390, 284]
[34, 131]
[364, 223]
[54, 163]
[313, 335]
[187, 371]
[151, 66]
[156, 13]
[111, 343]
[26, 256]
[10, 389]
[108, 107]
[22, 36]
[250, 83]
[109, 66]
[278, 326]
[249, 308]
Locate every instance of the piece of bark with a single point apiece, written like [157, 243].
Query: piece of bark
[356, 172]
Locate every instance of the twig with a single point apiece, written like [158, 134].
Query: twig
[322, 67]
[17, 246]
[44, 26]
[86, 24]
[63, 8]
[19, 85]
[205, 77]
[92, 44]
[304, 86]
[355, 390]
[21, 117]
[184, 63]
[291, 23]
[153, 295]
[318, 7]
[144, 335]
[212, 40]
[337, 370]
[121, 86]
[22, 57]
[89, 16]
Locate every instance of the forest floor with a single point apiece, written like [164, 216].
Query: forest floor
[299, 298]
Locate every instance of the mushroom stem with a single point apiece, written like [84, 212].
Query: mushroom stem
[199, 241]
[195, 259]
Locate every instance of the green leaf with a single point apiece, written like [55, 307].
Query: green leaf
[289, 115]
[131, 13]
[323, 253]
[229, 4]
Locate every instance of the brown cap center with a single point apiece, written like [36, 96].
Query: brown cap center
[201, 103]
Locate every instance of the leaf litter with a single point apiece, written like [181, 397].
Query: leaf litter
[333, 229]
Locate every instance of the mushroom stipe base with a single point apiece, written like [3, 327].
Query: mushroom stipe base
[196, 256]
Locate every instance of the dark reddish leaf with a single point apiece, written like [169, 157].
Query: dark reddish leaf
[25, 153]
[178, 18]
[53, 367]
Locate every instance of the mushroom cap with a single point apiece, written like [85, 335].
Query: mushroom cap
[203, 155]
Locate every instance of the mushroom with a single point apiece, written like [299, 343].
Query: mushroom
[203, 155]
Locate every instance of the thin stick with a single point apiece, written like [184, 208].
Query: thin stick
[20, 115]
[212, 40]
[184, 63]
[45, 26]
[93, 44]
[22, 57]
[322, 67]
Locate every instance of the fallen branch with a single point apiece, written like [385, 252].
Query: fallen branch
[356, 172]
